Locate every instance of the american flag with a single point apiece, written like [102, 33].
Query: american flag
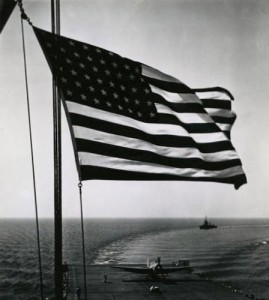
[132, 122]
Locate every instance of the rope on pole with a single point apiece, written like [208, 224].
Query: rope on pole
[83, 239]
[32, 159]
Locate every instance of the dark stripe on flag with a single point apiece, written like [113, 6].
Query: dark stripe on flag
[161, 140]
[91, 172]
[223, 120]
[216, 103]
[150, 157]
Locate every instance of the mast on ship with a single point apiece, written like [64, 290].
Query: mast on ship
[58, 260]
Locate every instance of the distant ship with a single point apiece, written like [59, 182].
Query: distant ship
[207, 225]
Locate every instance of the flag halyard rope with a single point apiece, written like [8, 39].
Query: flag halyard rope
[83, 239]
[32, 158]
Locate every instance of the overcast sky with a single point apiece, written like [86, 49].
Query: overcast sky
[201, 42]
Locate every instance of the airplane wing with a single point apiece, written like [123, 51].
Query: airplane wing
[138, 270]
[146, 270]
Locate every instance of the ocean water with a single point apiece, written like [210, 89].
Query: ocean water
[236, 254]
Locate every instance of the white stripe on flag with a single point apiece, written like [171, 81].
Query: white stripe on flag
[154, 73]
[132, 143]
[91, 159]
[213, 95]
[175, 97]
[224, 127]
[219, 112]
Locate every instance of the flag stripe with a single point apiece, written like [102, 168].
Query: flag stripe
[226, 128]
[145, 156]
[83, 133]
[172, 87]
[160, 139]
[136, 166]
[224, 120]
[157, 74]
[107, 173]
[214, 93]
[220, 112]
[216, 103]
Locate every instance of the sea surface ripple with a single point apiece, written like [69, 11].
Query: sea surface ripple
[236, 253]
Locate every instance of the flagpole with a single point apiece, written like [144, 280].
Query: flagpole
[55, 25]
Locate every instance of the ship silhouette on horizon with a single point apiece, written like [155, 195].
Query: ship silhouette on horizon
[207, 225]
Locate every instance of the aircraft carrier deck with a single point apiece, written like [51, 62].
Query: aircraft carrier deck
[122, 285]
